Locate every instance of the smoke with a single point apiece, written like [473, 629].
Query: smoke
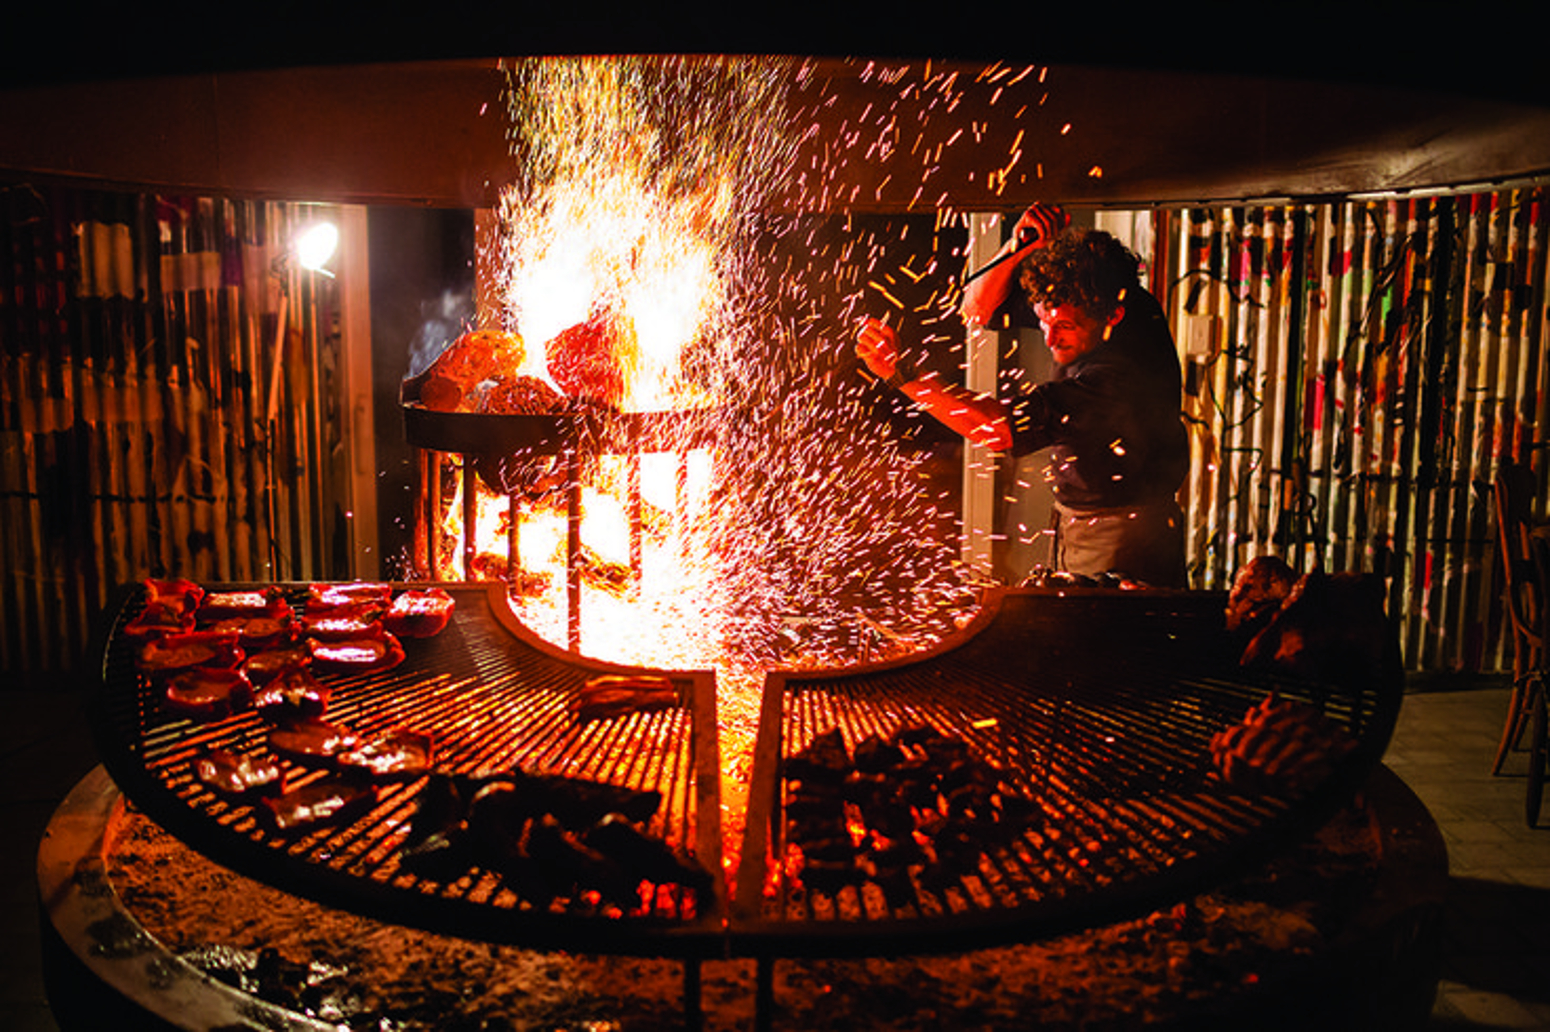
[443, 320]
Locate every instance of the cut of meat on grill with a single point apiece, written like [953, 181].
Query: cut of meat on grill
[170, 607]
[172, 653]
[262, 633]
[342, 623]
[311, 741]
[924, 806]
[438, 845]
[1332, 628]
[325, 801]
[418, 613]
[381, 651]
[239, 774]
[203, 693]
[579, 803]
[263, 667]
[1280, 746]
[397, 754]
[617, 695]
[176, 593]
[226, 605]
[1258, 590]
[333, 596]
[569, 865]
[291, 694]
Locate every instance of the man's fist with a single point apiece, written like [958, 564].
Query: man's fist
[877, 344]
[1040, 224]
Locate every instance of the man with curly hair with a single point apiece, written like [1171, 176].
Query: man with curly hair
[1110, 416]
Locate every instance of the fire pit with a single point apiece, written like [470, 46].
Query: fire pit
[1340, 932]
[1107, 748]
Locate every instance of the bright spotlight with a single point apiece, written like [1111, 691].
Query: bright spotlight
[315, 245]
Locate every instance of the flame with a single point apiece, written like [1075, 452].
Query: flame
[635, 188]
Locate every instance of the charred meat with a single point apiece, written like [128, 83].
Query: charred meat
[239, 774]
[203, 693]
[397, 754]
[327, 800]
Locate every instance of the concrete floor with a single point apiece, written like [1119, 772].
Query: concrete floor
[1496, 968]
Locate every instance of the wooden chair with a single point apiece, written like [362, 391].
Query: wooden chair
[1526, 574]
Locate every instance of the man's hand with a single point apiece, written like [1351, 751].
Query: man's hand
[1040, 224]
[989, 288]
[877, 344]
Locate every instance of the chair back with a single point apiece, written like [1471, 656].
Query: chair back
[1525, 563]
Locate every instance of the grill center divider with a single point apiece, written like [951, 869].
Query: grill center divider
[1091, 709]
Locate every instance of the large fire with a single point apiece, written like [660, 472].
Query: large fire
[630, 253]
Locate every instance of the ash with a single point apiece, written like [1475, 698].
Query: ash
[1166, 969]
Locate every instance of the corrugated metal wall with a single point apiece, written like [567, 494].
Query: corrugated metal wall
[1356, 372]
[149, 424]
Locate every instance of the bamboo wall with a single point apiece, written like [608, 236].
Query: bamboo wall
[1357, 371]
[152, 421]
[1356, 374]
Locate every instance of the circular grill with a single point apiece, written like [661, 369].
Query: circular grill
[1097, 705]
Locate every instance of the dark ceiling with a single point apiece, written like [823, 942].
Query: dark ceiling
[1163, 105]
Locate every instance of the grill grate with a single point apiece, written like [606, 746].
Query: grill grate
[494, 698]
[1096, 706]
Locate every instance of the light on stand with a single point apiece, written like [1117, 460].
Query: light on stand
[315, 245]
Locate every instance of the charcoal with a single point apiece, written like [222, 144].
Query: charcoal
[579, 803]
[649, 857]
[830, 876]
[838, 847]
[877, 755]
[806, 804]
[800, 832]
[824, 760]
[329, 800]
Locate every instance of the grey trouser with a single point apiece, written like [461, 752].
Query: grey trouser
[1142, 543]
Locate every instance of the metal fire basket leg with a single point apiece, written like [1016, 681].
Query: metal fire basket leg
[573, 550]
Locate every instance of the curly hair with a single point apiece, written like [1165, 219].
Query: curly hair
[1088, 269]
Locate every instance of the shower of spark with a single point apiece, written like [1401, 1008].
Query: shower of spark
[808, 533]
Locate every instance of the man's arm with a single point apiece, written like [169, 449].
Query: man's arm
[984, 295]
[980, 418]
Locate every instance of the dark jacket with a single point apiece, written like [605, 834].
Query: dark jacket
[1111, 417]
